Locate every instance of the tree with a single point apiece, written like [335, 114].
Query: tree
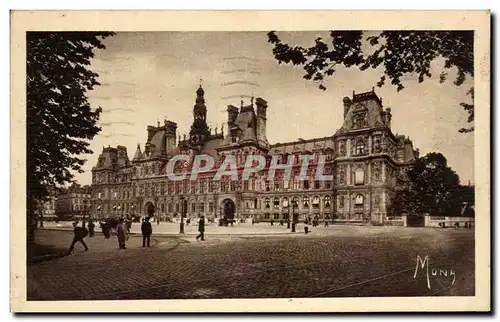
[60, 120]
[433, 188]
[400, 53]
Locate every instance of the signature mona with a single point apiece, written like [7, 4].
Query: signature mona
[423, 265]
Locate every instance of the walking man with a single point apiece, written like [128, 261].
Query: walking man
[146, 230]
[80, 234]
[91, 228]
[201, 228]
[105, 229]
[121, 234]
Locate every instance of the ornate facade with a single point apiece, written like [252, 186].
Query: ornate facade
[368, 163]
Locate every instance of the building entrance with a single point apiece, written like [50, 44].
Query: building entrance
[229, 209]
[150, 209]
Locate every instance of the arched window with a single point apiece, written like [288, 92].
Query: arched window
[359, 176]
[359, 200]
[276, 202]
[360, 147]
[305, 201]
[285, 202]
[267, 203]
[315, 202]
[295, 202]
[328, 201]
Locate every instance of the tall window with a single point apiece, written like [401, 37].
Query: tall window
[162, 188]
[276, 203]
[359, 200]
[359, 121]
[306, 184]
[285, 185]
[359, 176]
[360, 147]
[315, 202]
[201, 207]
[305, 201]
[267, 203]
[169, 206]
[285, 202]
[317, 184]
[276, 185]
[210, 185]
[328, 201]
[210, 207]
[193, 207]
[245, 185]
[267, 185]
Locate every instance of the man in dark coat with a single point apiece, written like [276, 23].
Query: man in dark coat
[80, 234]
[201, 228]
[146, 230]
[91, 228]
[105, 229]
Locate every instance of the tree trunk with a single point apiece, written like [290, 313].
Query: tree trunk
[30, 232]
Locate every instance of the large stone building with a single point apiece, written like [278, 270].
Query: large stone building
[368, 163]
[74, 202]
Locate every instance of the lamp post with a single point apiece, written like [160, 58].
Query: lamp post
[294, 203]
[183, 211]
[289, 216]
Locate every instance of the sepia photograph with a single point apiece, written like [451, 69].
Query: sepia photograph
[265, 164]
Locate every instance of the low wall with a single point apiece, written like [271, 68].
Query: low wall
[395, 221]
[438, 221]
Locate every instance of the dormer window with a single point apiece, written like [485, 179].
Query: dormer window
[359, 120]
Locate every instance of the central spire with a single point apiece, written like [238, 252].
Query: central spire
[199, 128]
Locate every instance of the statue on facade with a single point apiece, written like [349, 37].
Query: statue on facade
[342, 149]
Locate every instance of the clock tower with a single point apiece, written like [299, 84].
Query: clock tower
[199, 129]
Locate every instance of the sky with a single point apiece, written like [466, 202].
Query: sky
[149, 76]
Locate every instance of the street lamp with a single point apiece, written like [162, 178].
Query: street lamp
[294, 204]
[183, 211]
[289, 216]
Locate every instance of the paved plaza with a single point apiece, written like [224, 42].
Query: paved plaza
[335, 261]
[172, 229]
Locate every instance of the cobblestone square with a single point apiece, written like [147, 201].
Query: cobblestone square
[338, 261]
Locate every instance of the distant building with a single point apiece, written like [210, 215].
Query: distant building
[74, 202]
[368, 163]
[46, 210]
